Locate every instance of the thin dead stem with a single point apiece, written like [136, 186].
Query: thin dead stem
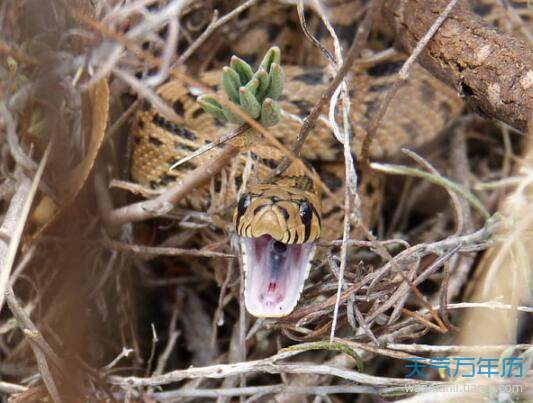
[167, 200]
[401, 77]
[37, 343]
[310, 121]
[15, 224]
[213, 26]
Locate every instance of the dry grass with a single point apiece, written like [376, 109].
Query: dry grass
[112, 298]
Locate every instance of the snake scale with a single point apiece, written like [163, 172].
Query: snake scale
[278, 222]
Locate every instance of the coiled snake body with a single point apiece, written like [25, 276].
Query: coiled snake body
[278, 222]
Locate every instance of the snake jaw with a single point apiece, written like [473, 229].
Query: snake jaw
[274, 275]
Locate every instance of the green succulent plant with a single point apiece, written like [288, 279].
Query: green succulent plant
[256, 93]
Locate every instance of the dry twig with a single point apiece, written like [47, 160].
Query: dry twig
[213, 26]
[166, 201]
[37, 343]
[309, 122]
[403, 74]
[269, 365]
[14, 225]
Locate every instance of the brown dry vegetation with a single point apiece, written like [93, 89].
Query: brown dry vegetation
[105, 297]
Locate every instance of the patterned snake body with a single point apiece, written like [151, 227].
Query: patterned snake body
[279, 221]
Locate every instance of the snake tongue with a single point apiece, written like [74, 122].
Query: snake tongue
[275, 275]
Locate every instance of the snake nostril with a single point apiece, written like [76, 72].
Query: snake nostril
[279, 247]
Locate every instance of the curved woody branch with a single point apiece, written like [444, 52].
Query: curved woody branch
[491, 69]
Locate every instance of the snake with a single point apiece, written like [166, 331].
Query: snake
[278, 220]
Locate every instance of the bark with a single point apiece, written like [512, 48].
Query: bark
[492, 70]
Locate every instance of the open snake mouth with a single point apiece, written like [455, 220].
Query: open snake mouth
[275, 273]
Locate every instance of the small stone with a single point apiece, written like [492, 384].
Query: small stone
[527, 81]
[494, 94]
[483, 53]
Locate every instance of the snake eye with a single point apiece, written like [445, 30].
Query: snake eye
[243, 204]
[306, 213]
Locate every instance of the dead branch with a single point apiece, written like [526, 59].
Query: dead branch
[471, 242]
[6, 387]
[324, 391]
[6, 230]
[212, 27]
[310, 121]
[150, 252]
[164, 203]
[13, 226]
[492, 70]
[268, 365]
[270, 389]
[402, 76]
[37, 343]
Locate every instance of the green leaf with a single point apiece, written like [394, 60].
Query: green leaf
[211, 106]
[231, 83]
[252, 86]
[326, 345]
[255, 93]
[273, 55]
[242, 68]
[270, 113]
[437, 180]
[249, 102]
[264, 81]
[231, 117]
[276, 81]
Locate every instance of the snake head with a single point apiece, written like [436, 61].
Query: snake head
[278, 228]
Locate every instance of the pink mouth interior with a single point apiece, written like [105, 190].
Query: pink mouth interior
[275, 275]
